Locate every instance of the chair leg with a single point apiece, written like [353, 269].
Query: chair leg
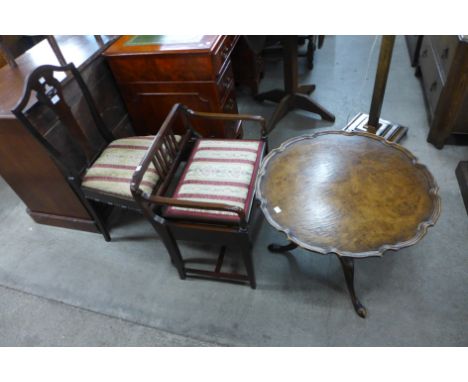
[173, 249]
[100, 222]
[102, 227]
[246, 248]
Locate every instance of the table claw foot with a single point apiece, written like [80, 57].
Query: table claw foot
[347, 263]
[278, 248]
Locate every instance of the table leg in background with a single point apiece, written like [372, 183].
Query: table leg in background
[278, 248]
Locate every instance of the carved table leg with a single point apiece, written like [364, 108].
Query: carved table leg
[347, 263]
[305, 89]
[278, 248]
[281, 110]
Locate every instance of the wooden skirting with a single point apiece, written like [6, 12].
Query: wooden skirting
[63, 221]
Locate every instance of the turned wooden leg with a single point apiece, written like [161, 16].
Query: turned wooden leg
[278, 248]
[303, 102]
[248, 262]
[347, 263]
[305, 89]
[281, 110]
[275, 95]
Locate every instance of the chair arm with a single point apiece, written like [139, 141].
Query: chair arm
[229, 117]
[163, 200]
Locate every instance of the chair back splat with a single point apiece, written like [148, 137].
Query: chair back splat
[74, 132]
[67, 123]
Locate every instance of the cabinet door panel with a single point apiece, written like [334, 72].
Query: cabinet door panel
[149, 110]
[444, 49]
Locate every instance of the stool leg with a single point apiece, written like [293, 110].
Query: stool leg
[173, 249]
[246, 249]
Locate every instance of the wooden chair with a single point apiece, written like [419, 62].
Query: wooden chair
[97, 166]
[212, 201]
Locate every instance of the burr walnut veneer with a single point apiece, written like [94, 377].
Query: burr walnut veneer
[352, 194]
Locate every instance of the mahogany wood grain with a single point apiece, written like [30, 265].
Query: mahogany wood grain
[154, 77]
[31, 173]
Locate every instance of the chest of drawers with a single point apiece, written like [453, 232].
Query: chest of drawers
[443, 63]
[155, 72]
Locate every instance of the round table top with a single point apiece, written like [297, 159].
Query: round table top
[353, 194]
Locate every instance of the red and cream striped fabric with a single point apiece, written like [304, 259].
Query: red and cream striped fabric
[219, 171]
[113, 170]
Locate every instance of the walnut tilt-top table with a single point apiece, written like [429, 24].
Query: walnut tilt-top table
[351, 194]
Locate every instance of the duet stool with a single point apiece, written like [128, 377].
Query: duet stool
[212, 201]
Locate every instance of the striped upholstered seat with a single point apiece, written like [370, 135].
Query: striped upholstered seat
[219, 171]
[112, 171]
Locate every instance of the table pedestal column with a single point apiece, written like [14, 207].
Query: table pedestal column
[293, 96]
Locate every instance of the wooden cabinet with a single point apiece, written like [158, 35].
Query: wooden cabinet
[443, 64]
[155, 72]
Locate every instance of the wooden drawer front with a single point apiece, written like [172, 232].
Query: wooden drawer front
[128, 69]
[432, 81]
[148, 105]
[223, 53]
[444, 49]
[226, 83]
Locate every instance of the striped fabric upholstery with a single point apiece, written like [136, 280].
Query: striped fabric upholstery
[113, 170]
[219, 171]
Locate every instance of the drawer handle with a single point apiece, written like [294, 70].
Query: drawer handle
[229, 105]
[227, 82]
[445, 53]
[433, 86]
[225, 52]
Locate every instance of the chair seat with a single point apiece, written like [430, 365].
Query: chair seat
[219, 171]
[112, 172]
